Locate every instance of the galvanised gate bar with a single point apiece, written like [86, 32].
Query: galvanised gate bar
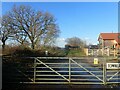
[66, 70]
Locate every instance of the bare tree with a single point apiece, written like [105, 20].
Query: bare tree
[35, 24]
[75, 41]
[50, 36]
[21, 37]
[6, 30]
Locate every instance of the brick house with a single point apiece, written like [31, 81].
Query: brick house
[109, 42]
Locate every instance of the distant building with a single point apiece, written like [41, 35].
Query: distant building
[93, 47]
[110, 40]
[67, 46]
[109, 43]
[91, 50]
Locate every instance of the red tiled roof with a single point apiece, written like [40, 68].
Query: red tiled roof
[110, 36]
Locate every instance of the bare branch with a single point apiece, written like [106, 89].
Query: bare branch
[36, 26]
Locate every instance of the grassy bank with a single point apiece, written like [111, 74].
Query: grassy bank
[75, 53]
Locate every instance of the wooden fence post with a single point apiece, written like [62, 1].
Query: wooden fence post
[104, 71]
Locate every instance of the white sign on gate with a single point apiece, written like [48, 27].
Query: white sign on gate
[113, 65]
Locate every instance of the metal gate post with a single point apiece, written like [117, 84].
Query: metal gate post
[104, 71]
[34, 70]
[69, 70]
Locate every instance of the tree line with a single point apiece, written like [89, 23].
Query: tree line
[76, 42]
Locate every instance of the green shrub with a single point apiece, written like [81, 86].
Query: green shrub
[28, 52]
[75, 53]
[54, 51]
[23, 51]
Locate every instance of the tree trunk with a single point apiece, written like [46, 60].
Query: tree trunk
[3, 47]
[33, 45]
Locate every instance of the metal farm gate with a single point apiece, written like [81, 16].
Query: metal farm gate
[65, 70]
